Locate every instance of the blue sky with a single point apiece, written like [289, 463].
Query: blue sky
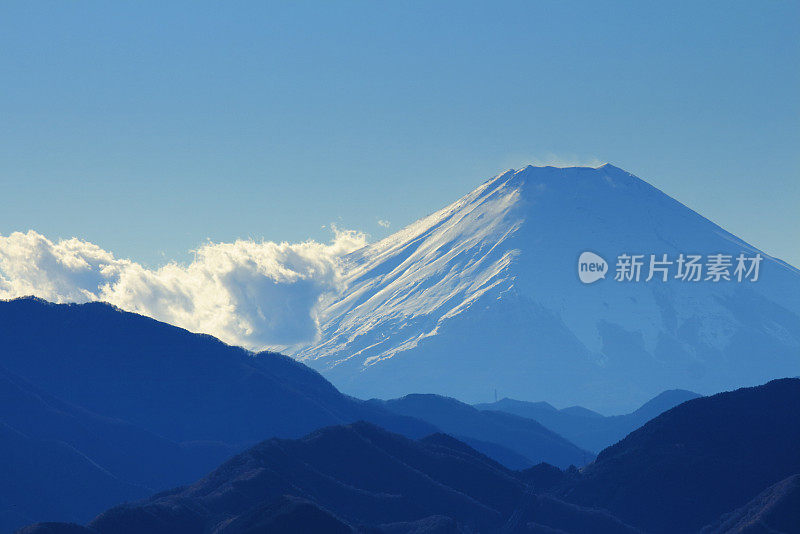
[148, 128]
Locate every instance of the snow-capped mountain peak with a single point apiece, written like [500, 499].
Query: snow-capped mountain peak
[483, 295]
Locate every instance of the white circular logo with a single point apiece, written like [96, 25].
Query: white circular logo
[591, 267]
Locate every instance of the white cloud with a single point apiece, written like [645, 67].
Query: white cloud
[384, 223]
[255, 294]
[519, 161]
[553, 160]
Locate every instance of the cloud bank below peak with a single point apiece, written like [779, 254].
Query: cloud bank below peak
[254, 294]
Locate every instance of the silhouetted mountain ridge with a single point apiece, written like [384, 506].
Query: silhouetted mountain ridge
[365, 477]
[134, 368]
[145, 406]
[776, 509]
[585, 427]
[701, 459]
[98, 406]
[523, 436]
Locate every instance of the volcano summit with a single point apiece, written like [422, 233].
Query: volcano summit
[483, 296]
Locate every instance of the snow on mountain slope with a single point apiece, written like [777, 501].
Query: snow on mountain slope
[484, 295]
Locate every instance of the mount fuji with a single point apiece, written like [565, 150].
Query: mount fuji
[483, 298]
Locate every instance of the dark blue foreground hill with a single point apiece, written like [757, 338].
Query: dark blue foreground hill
[776, 509]
[180, 385]
[67, 462]
[98, 406]
[356, 478]
[697, 461]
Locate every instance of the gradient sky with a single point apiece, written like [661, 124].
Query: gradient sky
[148, 128]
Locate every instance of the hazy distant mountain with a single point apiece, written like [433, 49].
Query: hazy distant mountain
[586, 428]
[484, 295]
[697, 461]
[480, 429]
[362, 476]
